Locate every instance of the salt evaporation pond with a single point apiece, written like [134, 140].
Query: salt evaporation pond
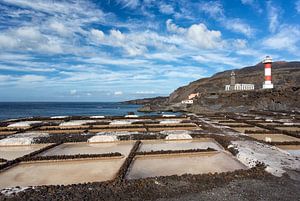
[291, 149]
[60, 172]
[13, 152]
[274, 137]
[179, 164]
[90, 148]
[244, 129]
[290, 128]
[157, 145]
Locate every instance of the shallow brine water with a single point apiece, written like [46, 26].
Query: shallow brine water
[199, 163]
[13, 152]
[157, 145]
[274, 137]
[90, 148]
[60, 172]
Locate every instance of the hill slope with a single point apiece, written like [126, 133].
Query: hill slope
[284, 74]
[212, 98]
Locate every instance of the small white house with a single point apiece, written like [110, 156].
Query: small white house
[187, 102]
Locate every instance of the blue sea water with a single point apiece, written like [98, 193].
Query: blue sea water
[11, 110]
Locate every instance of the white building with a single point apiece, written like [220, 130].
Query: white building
[187, 102]
[239, 87]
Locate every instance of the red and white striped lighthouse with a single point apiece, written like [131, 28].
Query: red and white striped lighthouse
[268, 77]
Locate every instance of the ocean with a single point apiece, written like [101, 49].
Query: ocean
[12, 110]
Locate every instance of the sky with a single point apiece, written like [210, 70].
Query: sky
[114, 50]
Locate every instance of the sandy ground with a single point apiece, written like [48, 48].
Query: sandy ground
[62, 172]
[164, 165]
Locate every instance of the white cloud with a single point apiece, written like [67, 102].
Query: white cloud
[273, 16]
[60, 28]
[213, 8]
[4, 78]
[297, 6]
[204, 38]
[116, 34]
[216, 11]
[7, 41]
[247, 1]
[118, 93]
[73, 92]
[287, 38]
[171, 27]
[97, 35]
[238, 26]
[129, 3]
[31, 78]
[254, 4]
[29, 39]
[26, 69]
[217, 58]
[28, 33]
[166, 9]
[145, 92]
[240, 43]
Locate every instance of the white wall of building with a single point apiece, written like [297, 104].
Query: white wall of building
[187, 102]
[240, 87]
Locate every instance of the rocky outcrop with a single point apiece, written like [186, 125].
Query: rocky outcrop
[145, 101]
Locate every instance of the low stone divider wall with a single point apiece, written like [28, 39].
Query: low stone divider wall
[77, 156]
[125, 166]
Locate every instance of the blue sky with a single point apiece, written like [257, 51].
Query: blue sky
[112, 50]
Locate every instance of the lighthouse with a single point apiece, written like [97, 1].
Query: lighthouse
[268, 77]
[232, 80]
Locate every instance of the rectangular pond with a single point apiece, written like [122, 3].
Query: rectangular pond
[13, 152]
[291, 149]
[60, 172]
[244, 129]
[179, 164]
[90, 148]
[274, 137]
[158, 145]
[289, 128]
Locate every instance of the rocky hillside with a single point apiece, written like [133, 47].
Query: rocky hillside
[213, 98]
[284, 74]
[144, 101]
